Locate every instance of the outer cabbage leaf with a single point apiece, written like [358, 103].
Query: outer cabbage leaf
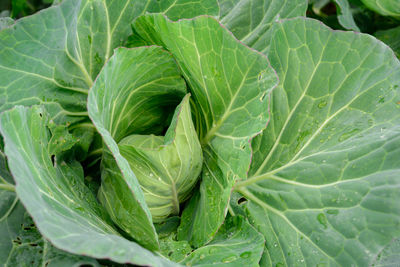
[384, 7]
[323, 187]
[54, 55]
[230, 85]
[251, 20]
[131, 90]
[167, 167]
[64, 210]
[22, 244]
[345, 17]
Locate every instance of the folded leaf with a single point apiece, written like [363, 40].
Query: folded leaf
[345, 17]
[384, 7]
[230, 85]
[130, 93]
[167, 167]
[323, 186]
[250, 20]
[68, 214]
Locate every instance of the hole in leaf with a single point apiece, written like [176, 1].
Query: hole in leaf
[52, 159]
[242, 200]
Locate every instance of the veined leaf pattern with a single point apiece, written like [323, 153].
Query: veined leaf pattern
[323, 187]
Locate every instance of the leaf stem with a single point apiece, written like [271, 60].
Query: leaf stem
[231, 210]
[82, 125]
[8, 187]
[251, 180]
[78, 114]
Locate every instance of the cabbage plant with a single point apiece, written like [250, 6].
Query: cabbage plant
[197, 133]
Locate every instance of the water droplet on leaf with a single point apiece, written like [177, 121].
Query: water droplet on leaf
[229, 259]
[322, 220]
[322, 104]
[333, 212]
[245, 255]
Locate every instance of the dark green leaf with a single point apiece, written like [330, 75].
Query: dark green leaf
[390, 37]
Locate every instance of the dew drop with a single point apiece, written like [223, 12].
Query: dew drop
[260, 76]
[333, 212]
[347, 135]
[322, 104]
[245, 255]
[151, 174]
[213, 250]
[322, 220]
[229, 259]
[370, 122]
[262, 97]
